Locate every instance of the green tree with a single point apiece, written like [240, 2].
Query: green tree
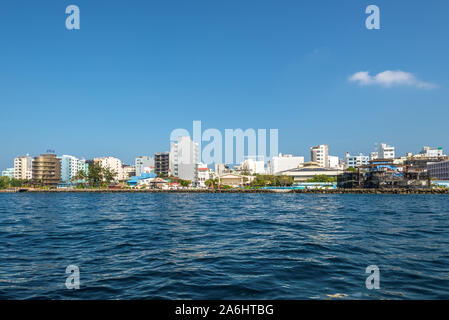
[352, 169]
[108, 175]
[94, 176]
[185, 183]
[4, 182]
[16, 183]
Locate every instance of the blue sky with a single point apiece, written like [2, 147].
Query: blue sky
[136, 70]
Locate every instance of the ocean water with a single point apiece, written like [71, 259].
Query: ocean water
[223, 246]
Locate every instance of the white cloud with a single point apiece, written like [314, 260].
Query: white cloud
[390, 78]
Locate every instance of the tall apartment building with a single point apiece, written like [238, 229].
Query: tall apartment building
[386, 151]
[143, 164]
[23, 167]
[162, 163]
[113, 164]
[320, 155]
[184, 156]
[284, 162]
[70, 166]
[46, 170]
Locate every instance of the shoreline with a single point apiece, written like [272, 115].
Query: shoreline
[252, 191]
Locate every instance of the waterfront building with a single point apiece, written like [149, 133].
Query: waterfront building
[386, 151]
[23, 167]
[113, 164]
[356, 161]
[284, 162]
[438, 170]
[46, 170]
[309, 170]
[184, 156]
[9, 172]
[320, 155]
[143, 164]
[234, 180]
[162, 163]
[203, 174]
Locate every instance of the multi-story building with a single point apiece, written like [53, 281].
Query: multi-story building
[386, 151]
[253, 166]
[184, 156]
[284, 162]
[374, 155]
[46, 170]
[320, 155]
[144, 164]
[129, 171]
[438, 170]
[9, 172]
[356, 161]
[113, 164]
[162, 163]
[431, 152]
[70, 166]
[23, 167]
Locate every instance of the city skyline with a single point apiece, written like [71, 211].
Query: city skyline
[130, 75]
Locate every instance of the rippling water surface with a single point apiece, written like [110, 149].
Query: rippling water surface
[223, 246]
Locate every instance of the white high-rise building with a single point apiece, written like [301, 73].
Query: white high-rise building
[144, 164]
[386, 151]
[23, 167]
[284, 162]
[320, 155]
[113, 164]
[184, 156]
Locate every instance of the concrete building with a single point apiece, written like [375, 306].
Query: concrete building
[309, 170]
[113, 164]
[438, 170]
[356, 161]
[184, 156]
[431, 152]
[8, 173]
[46, 170]
[144, 164]
[23, 167]
[253, 166]
[162, 163]
[374, 155]
[320, 155]
[284, 162]
[386, 151]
